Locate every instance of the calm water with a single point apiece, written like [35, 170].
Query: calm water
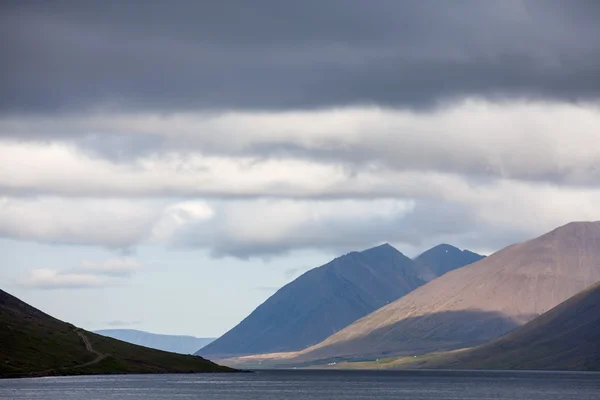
[313, 385]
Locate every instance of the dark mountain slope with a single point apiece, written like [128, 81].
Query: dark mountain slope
[173, 343]
[35, 344]
[508, 288]
[320, 302]
[324, 300]
[444, 258]
[565, 338]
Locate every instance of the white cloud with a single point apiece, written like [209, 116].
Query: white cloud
[108, 222]
[59, 169]
[477, 174]
[114, 267]
[51, 279]
[446, 209]
[264, 227]
[300, 152]
[177, 216]
[89, 274]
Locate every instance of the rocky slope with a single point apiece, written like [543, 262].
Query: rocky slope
[477, 303]
[565, 338]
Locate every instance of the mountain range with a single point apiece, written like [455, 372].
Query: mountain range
[35, 344]
[328, 298]
[474, 304]
[532, 305]
[172, 343]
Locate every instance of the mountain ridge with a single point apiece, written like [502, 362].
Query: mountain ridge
[435, 264]
[181, 344]
[322, 301]
[519, 283]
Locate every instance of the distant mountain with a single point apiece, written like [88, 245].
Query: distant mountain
[35, 344]
[565, 338]
[173, 343]
[477, 303]
[444, 258]
[326, 299]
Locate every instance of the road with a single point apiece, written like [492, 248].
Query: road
[90, 348]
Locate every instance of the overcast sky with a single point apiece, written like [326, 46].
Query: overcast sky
[168, 165]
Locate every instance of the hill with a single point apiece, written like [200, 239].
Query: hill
[173, 343]
[326, 299]
[35, 344]
[477, 303]
[564, 338]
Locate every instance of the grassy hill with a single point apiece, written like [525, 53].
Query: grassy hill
[35, 344]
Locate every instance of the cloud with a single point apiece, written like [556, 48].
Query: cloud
[89, 274]
[116, 267]
[270, 227]
[51, 279]
[110, 223]
[178, 216]
[254, 131]
[72, 56]
[477, 216]
[333, 153]
[159, 176]
[117, 323]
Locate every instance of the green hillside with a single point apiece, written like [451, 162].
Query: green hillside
[35, 344]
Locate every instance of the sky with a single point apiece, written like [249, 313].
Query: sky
[167, 166]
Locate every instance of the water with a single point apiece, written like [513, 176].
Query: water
[313, 385]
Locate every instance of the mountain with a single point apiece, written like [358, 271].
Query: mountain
[444, 258]
[477, 303]
[326, 299]
[564, 338]
[35, 344]
[173, 343]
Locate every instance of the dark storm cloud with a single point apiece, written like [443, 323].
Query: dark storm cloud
[74, 55]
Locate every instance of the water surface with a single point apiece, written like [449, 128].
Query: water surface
[313, 385]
